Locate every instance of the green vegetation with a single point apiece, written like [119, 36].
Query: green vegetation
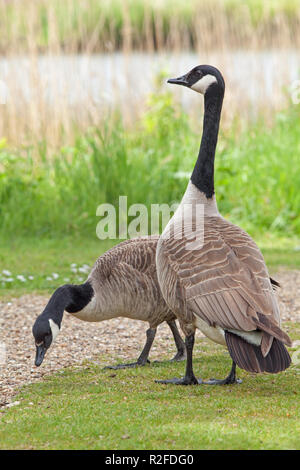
[56, 195]
[91, 408]
[42, 265]
[111, 24]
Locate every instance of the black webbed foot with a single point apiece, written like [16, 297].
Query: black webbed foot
[227, 381]
[179, 356]
[128, 365]
[182, 381]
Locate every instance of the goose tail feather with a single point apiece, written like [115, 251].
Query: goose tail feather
[249, 357]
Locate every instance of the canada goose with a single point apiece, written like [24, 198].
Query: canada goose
[122, 283]
[212, 274]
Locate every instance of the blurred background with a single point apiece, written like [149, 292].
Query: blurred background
[68, 64]
[86, 115]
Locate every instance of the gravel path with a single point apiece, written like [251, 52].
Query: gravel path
[119, 338]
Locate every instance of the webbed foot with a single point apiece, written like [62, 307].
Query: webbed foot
[227, 381]
[128, 365]
[179, 356]
[182, 381]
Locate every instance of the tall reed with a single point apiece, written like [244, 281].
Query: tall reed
[106, 25]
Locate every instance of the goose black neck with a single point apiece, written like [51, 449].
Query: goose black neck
[203, 173]
[71, 298]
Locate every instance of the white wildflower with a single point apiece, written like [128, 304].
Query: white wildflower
[31, 278]
[82, 270]
[6, 272]
[55, 275]
[49, 278]
[21, 278]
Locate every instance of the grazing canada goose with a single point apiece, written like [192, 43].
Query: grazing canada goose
[211, 273]
[122, 283]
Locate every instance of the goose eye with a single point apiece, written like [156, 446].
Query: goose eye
[197, 74]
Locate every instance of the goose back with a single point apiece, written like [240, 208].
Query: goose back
[124, 280]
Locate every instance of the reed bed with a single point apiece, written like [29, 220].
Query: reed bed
[52, 100]
[106, 25]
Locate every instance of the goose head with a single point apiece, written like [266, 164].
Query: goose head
[44, 331]
[201, 79]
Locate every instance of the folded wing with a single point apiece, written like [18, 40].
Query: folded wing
[223, 280]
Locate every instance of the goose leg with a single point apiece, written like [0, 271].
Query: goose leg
[143, 357]
[230, 379]
[181, 350]
[189, 378]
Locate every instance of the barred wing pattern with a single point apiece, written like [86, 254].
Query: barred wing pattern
[125, 283]
[225, 282]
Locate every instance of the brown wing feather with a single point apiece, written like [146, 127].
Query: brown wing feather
[225, 281]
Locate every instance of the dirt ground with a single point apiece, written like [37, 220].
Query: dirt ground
[120, 338]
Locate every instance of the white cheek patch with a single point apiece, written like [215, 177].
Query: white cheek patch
[54, 329]
[202, 84]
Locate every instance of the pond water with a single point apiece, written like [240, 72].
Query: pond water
[252, 77]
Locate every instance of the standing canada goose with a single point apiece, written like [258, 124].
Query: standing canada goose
[212, 274]
[122, 283]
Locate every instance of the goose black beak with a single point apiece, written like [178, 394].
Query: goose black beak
[179, 81]
[40, 353]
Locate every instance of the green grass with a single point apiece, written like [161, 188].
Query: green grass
[41, 258]
[91, 408]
